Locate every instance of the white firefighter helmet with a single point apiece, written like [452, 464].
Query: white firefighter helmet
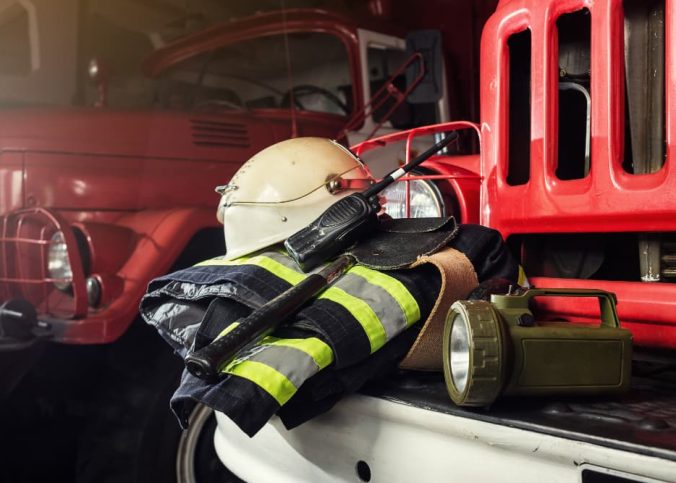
[283, 188]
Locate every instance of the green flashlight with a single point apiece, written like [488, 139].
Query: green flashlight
[498, 348]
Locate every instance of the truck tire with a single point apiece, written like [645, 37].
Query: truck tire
[196, 459]
[134, 437]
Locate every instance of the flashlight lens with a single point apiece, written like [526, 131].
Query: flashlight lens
[459, 352]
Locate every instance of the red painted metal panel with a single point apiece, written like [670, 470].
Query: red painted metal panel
[93, 159]
[91, 182]
[647, 309]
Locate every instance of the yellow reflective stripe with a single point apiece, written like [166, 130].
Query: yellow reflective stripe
[264, 376]
[276, 268]
[229, 328]
[220, 261]
[395, 288]
[364, 314]
[320, 352]
[272, 266]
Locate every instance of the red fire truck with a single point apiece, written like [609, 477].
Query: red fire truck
[97, 201]
[576, 128]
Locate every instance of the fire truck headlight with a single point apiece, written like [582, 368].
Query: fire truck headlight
[473, 353]
[426, 200]
[58, 263]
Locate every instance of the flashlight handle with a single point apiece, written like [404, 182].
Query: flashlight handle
[607, 300]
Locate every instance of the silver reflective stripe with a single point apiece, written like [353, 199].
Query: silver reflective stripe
[384, 305]
[281, 366]
[296, 365]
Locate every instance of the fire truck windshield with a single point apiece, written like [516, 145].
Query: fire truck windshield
[308, 70]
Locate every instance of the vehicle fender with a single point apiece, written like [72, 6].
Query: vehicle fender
[161, 237]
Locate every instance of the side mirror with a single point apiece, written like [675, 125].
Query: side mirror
[99, 74]
[428, 44]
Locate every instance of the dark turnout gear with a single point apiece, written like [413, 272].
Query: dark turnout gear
[350, 320]
[357, 329]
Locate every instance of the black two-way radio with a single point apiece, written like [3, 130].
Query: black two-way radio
[345, 221]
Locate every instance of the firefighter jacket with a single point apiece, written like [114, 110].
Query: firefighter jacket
[355, 330]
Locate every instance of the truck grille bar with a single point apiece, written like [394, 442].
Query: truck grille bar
[24, 244]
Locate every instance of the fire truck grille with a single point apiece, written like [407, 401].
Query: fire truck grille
[25, 237]
[210, 133]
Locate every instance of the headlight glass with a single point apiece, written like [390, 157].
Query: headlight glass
[459, 352]
[425, 199]
[58, 263]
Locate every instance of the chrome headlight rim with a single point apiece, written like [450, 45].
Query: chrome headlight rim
[60, 261]
[433, 191]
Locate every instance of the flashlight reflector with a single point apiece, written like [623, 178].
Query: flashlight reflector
[459, 352]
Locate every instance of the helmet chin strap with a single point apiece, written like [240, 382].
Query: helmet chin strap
[345, 184]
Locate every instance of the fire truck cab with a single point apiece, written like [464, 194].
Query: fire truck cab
[94, 200]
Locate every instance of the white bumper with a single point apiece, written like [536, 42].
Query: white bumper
[370, 439]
